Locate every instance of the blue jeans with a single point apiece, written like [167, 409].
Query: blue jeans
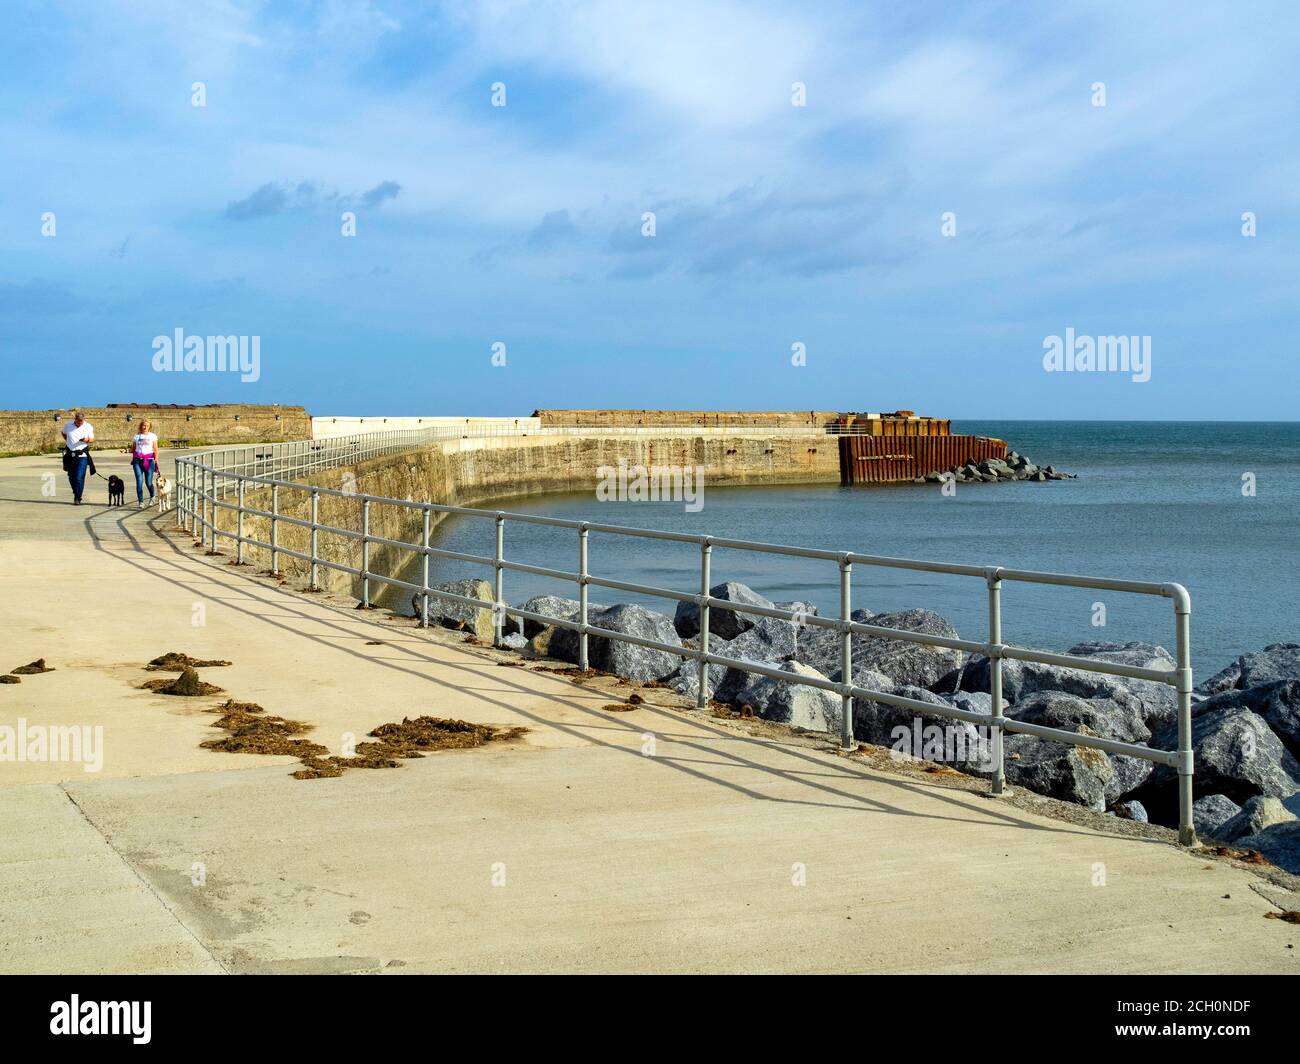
[77, 475]
[143, 478]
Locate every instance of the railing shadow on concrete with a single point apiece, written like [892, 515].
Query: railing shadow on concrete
[205, 482]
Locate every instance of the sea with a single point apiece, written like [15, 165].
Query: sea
[1214, 506]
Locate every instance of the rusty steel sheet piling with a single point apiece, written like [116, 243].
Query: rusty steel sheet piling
[890, 459]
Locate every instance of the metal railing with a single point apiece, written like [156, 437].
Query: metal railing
[205, 481]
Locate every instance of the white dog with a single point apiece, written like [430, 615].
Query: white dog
[163, 488]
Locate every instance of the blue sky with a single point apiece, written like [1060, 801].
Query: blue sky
[775, 224]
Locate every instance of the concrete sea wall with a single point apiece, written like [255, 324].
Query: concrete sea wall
[35, 431]
[472, 472]
[330, 425]
[810, 419]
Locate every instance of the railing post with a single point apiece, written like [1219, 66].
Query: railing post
[365, 553]
[239, 530]
[424, 572]
[999, 779]
[582, 596]
[498, 593]
[846, 653]
[1183, 620]
[180, 493]
[706, 581]
[209, 493]
[275, 528]
[315, 534]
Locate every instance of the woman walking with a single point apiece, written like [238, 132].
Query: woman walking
[144, 461]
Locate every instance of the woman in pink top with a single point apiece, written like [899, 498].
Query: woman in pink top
[144, 461]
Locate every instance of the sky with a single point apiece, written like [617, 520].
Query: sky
[855, 206]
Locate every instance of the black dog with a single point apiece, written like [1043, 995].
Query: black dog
[116, 491]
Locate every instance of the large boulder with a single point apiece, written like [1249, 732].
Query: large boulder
[457, 615]
[1131, 810]
[1020, 679]
[1276, 662]
[912, 664]
[1118, 718]
[1236, 755]
[722, 622]
[1211, 812]
[628, 660]
[1160, 700]
[1077, 774]
[566, 609]
[790, 703]
[798, 606]
[928, 736]
[1279, 843]
[686, 680]
[1255, 816]
[768, 642]
[1278, 703]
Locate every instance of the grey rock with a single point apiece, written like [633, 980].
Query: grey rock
[628, 660]
[1253, 817]
[797, 606]
[1131, 810]
[1280, 843]
[1278, 703]
[1071, 773]
[904, 663]
[769, 642]
[722, 622]
[514, 641]
[1020, 679]
[931, 737]
[1276, 662]
[686, 680]
[456, 615]
[1160, 700]
[1236, 755]
[1118, 718]
[789, 703]
[1211, 812]
[972, 701]
[554, 606]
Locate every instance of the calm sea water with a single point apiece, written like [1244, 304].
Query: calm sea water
[1154, 501]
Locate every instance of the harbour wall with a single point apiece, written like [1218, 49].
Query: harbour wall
[37, 431]
[472, 472]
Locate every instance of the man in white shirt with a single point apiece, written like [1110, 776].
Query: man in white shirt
[78, 435]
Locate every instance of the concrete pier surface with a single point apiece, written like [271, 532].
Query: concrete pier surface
[642, 841]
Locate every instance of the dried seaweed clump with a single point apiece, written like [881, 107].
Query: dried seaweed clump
[253, 731]
[175, 661]
[409, 739]
[186, 685]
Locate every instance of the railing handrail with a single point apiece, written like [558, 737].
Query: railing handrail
[205, 479]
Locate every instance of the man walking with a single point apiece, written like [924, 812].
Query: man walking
[78, 435]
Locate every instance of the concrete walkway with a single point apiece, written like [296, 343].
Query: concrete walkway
[651, 840]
